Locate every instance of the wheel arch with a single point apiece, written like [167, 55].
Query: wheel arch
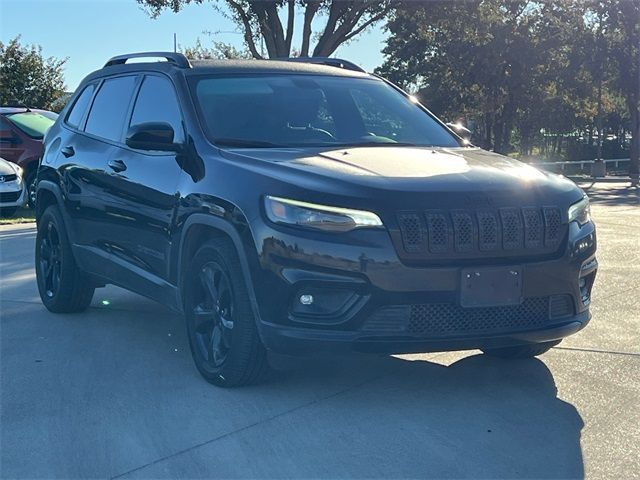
[48, 193]
[197, 229]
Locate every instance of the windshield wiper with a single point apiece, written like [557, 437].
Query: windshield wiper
[244, 143]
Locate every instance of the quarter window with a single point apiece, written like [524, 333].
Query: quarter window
[77, 111]
[109, 109]
[157, 102]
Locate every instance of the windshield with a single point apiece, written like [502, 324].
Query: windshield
[312, 110]
[33, 124]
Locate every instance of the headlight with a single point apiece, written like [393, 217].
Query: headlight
[320, 217]
[580, 211]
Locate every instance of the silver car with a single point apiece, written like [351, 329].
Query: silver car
[12, 192]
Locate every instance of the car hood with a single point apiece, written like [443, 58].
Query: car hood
[410, 168]
[7, 168]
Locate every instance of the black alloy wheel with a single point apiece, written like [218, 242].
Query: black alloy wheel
[221, 321]
[50, 260]
[213, 315]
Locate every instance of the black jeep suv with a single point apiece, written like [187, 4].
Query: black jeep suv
[294, 206]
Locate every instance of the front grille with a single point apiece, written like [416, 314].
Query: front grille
[503, 232]
[8, 178]
[6, 197]
[449, 319]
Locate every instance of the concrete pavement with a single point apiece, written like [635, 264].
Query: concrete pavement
[113, 393]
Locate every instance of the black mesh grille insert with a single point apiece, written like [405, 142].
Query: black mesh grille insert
[511, 228]
[488, 230]
[448, 319]
[438, 232]
[411, 232]
[463, 231]
[532, 227]
[552, 223]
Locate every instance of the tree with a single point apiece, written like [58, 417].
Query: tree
[27, 78]
[257, 19]
[623, 21]
[527, 73]
[218, 50]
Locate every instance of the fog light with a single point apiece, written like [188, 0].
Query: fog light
[306, 299]
[582, 283]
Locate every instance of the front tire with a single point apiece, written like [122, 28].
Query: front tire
[30, 185]
[221, 326]
[521, 351]
[62, 286]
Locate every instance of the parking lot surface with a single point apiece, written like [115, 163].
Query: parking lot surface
[113, 392]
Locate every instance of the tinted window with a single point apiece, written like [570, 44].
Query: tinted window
[157, 102]
[77, 111]
[107, 115]
[295, 110]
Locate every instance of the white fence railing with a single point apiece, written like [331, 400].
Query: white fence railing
[620, 165]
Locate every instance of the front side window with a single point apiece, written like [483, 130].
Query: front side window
[290, 110]
[76, 114]
[157, 102]
[107, 114]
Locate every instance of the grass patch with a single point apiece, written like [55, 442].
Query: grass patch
[23, 215]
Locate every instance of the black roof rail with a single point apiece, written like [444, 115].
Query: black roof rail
[332, 62]
[178, 59]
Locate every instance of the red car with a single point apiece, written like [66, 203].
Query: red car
[21, 132]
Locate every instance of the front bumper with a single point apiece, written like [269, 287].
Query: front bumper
[375, 302]
[300, 341]
[12, 194]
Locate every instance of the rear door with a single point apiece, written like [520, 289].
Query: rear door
[140, 194]
[94, 129]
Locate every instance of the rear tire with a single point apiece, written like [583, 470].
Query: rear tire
[221, 325]
[521, 351]
[62, 286]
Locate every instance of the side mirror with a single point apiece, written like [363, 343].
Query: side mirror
[152, 136]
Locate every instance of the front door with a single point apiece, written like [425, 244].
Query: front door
[140, 195]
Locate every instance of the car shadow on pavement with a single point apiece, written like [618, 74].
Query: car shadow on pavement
[479, 417]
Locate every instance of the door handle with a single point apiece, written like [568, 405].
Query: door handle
[68, 151]
[117, 165]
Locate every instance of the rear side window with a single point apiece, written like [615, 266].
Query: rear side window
[77, 111]
[157, 102]
[107, 115]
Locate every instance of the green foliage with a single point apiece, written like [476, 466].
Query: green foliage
[26, 77]
[524, 74]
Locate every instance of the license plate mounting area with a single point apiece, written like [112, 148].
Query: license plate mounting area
[491, 287]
